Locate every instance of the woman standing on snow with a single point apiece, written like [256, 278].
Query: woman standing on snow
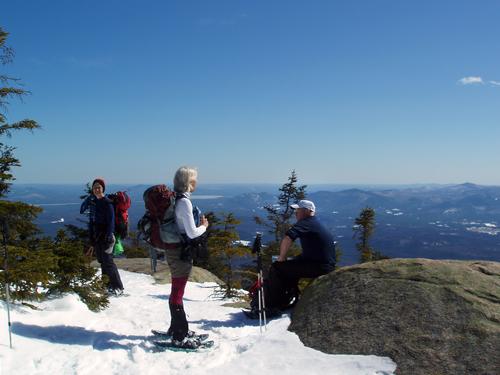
[185, 181]
[102, 239]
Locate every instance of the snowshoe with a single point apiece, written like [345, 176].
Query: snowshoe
[117, 293]
[186, 345]
[167, 335]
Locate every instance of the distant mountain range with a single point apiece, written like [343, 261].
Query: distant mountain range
[433, 221]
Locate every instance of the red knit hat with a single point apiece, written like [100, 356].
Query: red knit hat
[101, 182]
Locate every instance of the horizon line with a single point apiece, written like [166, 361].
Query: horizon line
[278, 183]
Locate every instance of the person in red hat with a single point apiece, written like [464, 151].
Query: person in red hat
[101, 229]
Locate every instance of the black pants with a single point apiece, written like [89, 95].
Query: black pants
[108, 266]
[283, 279]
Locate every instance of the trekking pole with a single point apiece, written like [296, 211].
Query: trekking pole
[257, 246]
[7, 296]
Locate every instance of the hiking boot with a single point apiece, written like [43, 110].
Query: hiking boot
[189, 333]
[272, 312]
[178, 322]
[192, 334]
[168, 335]
[251, 314]
[186, 343]
[115, 292]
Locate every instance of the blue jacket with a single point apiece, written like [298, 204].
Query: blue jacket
[101, 218]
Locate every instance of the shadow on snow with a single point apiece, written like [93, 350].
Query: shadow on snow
[236, 320]
[68, 335]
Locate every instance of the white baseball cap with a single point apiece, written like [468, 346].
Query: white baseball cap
[304, 204]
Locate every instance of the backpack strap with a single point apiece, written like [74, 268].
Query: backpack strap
[184, 238]
[180, 196]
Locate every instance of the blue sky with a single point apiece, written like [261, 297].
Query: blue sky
[343, 92]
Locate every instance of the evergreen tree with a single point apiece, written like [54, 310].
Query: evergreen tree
[279, 216]
[73, 274]
[363, 229]
[338, 254]
[9, 88]
[19, 218]
[23, 270]
[28, 272]
[34, 267]
[76, 232]
[224, 250]
[38, 268]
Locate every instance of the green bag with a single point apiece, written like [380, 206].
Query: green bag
[118, 249]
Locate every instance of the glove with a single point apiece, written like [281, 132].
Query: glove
[110, 239]
[110, 243]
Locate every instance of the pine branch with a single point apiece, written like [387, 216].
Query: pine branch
[24, 124]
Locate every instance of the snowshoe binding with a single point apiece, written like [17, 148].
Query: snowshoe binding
[167, 335]
[185, 345]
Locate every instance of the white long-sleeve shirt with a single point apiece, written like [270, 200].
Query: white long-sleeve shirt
[184, 218]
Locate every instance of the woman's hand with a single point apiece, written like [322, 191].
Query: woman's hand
[204, 221]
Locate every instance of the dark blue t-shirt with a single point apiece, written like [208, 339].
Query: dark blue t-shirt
[316, 241]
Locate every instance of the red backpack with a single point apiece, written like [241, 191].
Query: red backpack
[157, 226]
[121, 203]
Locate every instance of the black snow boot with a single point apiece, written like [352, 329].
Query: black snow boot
[178, 325]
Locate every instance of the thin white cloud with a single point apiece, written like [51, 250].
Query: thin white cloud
[495, 83]
[471, 81]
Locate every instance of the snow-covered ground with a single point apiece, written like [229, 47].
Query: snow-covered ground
[64, 337]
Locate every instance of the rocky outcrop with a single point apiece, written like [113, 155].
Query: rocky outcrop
[162, 274]
[430, 316]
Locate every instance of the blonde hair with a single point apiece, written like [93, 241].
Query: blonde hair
[183, 178]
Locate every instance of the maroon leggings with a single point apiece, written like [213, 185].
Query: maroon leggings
[178, 286]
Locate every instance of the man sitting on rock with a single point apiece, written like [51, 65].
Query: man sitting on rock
[317, 258]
